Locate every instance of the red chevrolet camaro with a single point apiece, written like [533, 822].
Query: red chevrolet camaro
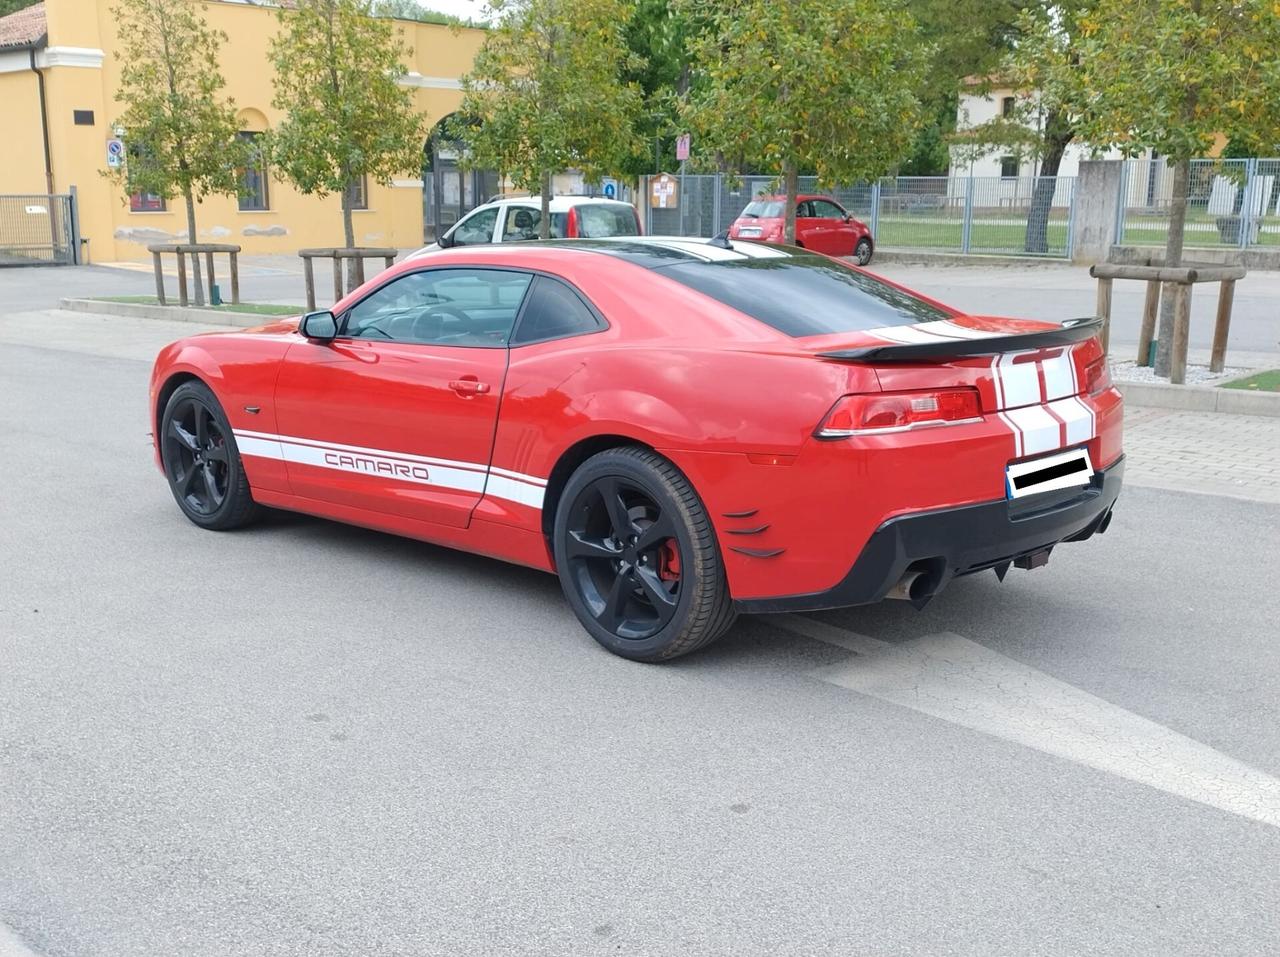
[681, 430]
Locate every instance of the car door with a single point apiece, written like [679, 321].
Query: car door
[806, 227]
[398, 413]
[835, 236]
[520, 223]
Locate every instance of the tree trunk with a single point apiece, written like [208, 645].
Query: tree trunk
[544, 222]
[792, 187]
[1172, 257]
[1057, 136]
[192, 238]
[349, 237]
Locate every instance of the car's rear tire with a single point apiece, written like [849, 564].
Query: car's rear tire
[638, 558]
[862, 251]
[201, 460]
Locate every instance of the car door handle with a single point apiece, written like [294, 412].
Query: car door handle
[469, 385]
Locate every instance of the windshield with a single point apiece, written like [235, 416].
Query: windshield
[804, 295]
[764, 209]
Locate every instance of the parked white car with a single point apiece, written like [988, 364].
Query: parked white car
[516, 219]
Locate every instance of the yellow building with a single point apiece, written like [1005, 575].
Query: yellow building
[59, 72]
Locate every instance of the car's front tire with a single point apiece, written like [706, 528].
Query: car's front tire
[638, 557]
[862, 251]
[201, 461]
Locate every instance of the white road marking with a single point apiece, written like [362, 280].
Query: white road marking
[950, 677]
[12, 946]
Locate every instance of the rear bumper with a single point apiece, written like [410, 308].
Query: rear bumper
[951, 542]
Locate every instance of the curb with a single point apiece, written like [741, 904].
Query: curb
[929, 258]
[138, 310]
[1185, 398]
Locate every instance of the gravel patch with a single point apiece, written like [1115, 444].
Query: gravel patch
[1126, 370]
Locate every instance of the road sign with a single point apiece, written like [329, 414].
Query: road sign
[610, 188]
[682, 147]
[663, 193]
[115, 153]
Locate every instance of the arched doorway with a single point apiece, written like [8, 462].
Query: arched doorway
[448, 191]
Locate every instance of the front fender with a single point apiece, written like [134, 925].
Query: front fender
[241, 370]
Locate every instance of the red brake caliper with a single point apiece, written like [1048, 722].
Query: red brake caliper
[669, 561]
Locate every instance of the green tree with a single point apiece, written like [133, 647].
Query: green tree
[827, 85]
[413, 10]
[970, 39]
[546, 93]
[1171, 76]
[12, 6]
[1042, 123]
[346, 116]
[180, 134]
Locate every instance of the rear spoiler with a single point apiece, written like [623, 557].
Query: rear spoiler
[1073, 330]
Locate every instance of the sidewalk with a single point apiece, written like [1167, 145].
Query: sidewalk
[1213, 453]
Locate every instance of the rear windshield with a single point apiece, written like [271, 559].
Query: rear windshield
[804, 294]
[763, 209]
[597, 222]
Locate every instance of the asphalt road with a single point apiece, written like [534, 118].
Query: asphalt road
[304, 738]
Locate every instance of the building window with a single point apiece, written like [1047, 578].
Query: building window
[1009, 167]
[253, 177]
[146, 203]
[82, 117]
[139, 201]
[1007, 105]
[358, 193]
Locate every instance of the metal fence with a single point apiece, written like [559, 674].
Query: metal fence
[976, 214]
[38, 229]
[1231, 203]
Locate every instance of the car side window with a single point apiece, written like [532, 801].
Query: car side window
[477, 229]
[552, 312]
[825, 210]
[520, 223]
[448, 307]
[804, 210]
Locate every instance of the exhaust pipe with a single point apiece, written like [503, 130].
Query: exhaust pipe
[903, 589]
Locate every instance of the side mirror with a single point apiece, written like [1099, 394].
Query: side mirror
[445, 241]
[319, 326]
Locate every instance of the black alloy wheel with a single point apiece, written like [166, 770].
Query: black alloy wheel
[201, 461]
[196, 451]
[638, 559]
[623, 558]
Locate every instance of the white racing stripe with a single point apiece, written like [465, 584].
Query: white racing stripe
[1020, 381]
[1059, 376]
[396, 466]
[1040, 431]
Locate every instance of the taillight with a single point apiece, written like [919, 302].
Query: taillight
[571, 228]
[1097, 376]
[878, 413]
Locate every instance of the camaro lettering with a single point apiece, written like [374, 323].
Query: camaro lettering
[362, 463]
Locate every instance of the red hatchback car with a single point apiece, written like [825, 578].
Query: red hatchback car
[680, 430]
[822, 225]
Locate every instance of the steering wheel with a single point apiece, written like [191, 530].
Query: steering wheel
[430, 324]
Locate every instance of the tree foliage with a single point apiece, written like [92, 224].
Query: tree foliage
[970, 39]
[346, 116]
[179, 131]
[826, 85]
[1166, 75]
[12, 6]
[413, 10]
[546, 93]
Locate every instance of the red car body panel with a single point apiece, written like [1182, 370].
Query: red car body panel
[831, 237]
[375, 433]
